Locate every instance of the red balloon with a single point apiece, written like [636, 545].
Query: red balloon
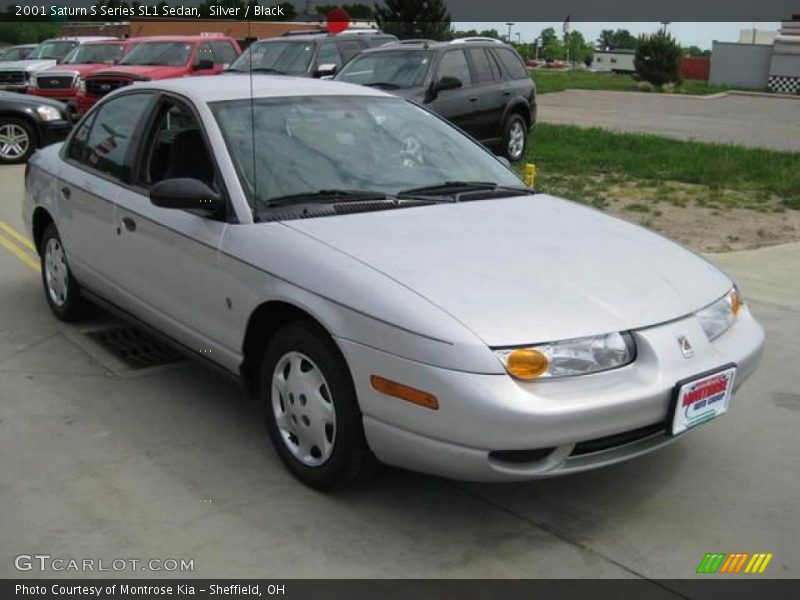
[338, 20]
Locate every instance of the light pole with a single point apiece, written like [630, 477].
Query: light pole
[664, 23]
[509, 32]
[519, 38]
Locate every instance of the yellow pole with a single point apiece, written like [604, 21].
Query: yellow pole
[530, 175]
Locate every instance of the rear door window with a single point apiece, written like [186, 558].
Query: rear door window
[454, 64]
[349, 48]
[328, 55]
[483, 69]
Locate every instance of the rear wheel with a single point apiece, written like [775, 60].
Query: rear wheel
[312, 411]
[17, 140]
[515, 136]
[60, 288]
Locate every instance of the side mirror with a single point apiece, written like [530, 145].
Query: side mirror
[326, 70]
[185, 193]
[443, 84]
[203, 64]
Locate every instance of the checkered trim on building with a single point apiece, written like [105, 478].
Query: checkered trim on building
[784, 85]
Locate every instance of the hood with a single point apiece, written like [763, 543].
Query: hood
[26, 65]
[18, 100]
[80, 69]
[143, 72]
[528, 269]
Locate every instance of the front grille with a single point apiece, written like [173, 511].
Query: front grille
[55, 82]
[101, 87]
[12, 77]
[134, 347]
[618, 439]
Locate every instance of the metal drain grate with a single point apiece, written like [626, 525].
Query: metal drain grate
[135, 348]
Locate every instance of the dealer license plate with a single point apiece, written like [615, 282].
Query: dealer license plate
[701, 399]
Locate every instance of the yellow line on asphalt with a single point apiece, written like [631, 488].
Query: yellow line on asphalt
[17, 235]
[19, 253]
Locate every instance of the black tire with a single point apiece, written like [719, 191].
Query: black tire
[69, 305]
[514, 126]
[350, 461]
[22, 127]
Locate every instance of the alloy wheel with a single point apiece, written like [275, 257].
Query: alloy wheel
[14, 141]
[516, 140]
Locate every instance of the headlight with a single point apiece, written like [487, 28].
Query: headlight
[48, 113]
[81, 85]
[566, 358]
[719, 316]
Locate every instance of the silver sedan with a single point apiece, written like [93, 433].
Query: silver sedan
[389, 290]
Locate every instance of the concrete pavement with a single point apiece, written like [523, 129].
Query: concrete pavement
[100, 461]
[754, 121]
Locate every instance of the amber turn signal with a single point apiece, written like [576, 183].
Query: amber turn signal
[736, 301]
[526, 363]
[404, 392]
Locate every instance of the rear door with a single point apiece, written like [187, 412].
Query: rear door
[491, 91]
[96, 166]
[461, 105]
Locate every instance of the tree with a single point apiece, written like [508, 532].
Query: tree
[658, 59]
[552, 48]
[621, 39]
[28, 32]
[693, 51]
[414, 19]
[578, 49]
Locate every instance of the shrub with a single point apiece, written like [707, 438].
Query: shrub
[658, 59]
[645, 86]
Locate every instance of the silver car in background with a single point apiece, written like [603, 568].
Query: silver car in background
[387, 288]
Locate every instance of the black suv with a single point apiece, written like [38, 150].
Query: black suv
[479, 84]
[307, 53]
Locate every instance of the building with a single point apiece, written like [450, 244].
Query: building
[760, 63]
[617, 61]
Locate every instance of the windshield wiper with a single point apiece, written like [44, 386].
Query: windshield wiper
[383, 84]
[328, 196]
[452, 187]
[267, 70]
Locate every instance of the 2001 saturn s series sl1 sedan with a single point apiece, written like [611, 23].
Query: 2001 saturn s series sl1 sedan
[387, 287]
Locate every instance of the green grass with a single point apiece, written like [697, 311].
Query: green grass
[569, 157]
[548, 81]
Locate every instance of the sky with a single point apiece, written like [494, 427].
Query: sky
[687, 34]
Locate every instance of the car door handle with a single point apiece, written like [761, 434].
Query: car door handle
[473, 99]
[65, 193]
[129, 223]
[506, 92]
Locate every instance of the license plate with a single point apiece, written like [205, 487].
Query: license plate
[702, 398]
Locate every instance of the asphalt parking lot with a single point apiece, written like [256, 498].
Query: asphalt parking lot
[720, 118]
[102, 461]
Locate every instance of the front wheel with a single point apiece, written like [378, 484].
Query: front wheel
[312, 411]
[515, 136]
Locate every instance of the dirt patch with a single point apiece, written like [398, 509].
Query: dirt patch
[703, 218]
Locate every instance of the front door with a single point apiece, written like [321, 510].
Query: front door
[461, 105]
[172, 255]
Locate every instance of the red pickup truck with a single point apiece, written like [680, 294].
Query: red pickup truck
[60, 82]
[159, 57]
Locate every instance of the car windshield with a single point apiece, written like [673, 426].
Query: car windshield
[52, 50]
[95, 54]
[168, 54]
[389, 69]
[278, 57]
[382, 145]
[15, 54]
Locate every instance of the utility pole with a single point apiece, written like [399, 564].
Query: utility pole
[519, 38]
[509, 32]
[664, 23]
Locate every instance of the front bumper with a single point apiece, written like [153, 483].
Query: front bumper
[19, 88]
[52, 132]
[63, 94]
[581, 423]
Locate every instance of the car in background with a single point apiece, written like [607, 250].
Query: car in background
[28, 123]
[19, 52]
[15, 76]
[159, 57]
[307, 53]
[61, 81]
[479, 84]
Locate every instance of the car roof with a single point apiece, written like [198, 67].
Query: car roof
[434, 45]
[184, 38]
[238, 87]
[316, 36]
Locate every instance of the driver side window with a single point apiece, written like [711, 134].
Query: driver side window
[177, 148]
